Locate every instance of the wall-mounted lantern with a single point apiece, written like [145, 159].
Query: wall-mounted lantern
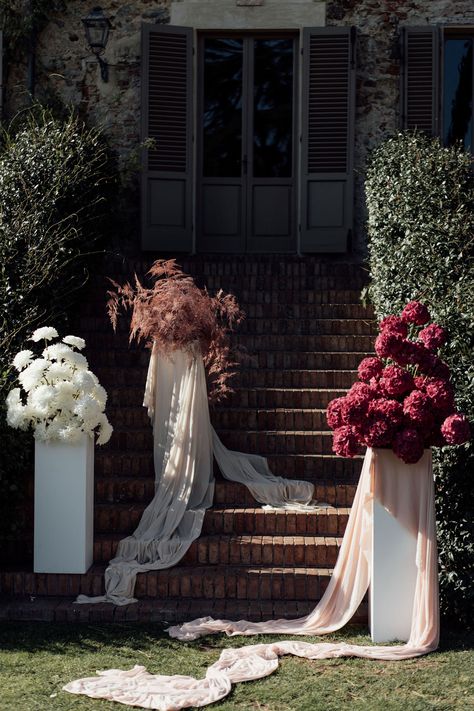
[97, 27]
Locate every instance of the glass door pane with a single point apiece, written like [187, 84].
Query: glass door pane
[273, 108]
[458, 78]
[222, 120]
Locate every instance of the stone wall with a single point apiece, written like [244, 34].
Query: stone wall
[66, 69]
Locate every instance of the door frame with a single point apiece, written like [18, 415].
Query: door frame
[247, 122]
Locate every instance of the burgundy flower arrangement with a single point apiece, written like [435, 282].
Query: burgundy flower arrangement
[404, 400]
[175, 313]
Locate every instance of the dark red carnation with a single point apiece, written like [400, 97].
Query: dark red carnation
[420, 382]
[334, 413]
[356, 402]
[369, 368]
[378, 433]
[408, 445]
[386, 408]
[396, 381]
[394, 324]
[455, 429]
[391, 345]
[416, 313]
[417, 407]
[345, 441]
[440, 369]
[433, 336]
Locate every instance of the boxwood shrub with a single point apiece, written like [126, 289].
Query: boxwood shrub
[420, 199]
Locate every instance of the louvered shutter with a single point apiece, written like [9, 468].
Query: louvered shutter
[327, 183]
[420, 75]
[167, 118]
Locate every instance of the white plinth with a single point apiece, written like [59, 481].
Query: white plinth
[394, 571]
[64, 506]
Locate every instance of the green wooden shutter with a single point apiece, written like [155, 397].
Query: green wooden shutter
[166, 199]
[420, 77]
[328, 105]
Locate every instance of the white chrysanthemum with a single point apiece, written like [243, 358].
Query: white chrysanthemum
[22, 359]
[45, 332]
[66, 395]
[70, 434]
[75, 341]
[100, 394]
[87, 408]
[85, 381]
[76, 359]
[42, 400]
[59, 371]
[18, 416]
[105, 430]
[58, 351]
[33, 374]
[41, 431]
[14, 397]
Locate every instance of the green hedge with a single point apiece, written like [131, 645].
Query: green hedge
[420, 199]
[57, 179]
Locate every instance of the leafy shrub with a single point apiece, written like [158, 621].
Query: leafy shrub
[420, 199]
[56, 181]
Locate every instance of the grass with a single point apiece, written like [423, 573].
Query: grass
[36, 659]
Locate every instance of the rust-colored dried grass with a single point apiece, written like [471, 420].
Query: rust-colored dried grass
[174, 313]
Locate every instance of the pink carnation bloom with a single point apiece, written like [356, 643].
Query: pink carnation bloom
[455, 429]
[334, 413]
[345, 442]
[408, 445]
[396, 381]
[416, 313]
[394, 324]
[433, 336]
[417, 407]
[369, 368]
[441, 393]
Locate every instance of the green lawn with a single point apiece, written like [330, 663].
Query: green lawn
[36, 659]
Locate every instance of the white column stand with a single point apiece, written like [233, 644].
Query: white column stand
[64, 506]
[393, 564]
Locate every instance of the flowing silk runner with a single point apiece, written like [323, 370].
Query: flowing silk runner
[184, 446]
[412, 500]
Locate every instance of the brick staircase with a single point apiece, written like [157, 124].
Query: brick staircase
[305, 333]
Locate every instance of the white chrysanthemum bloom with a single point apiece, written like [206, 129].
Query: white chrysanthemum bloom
[18, 416]
[41, 431]
[87, 408]
[76, 359]
[14, 397]
[59, 371]
[57, 351]
[100, 394]
[85, 381]
[66, 395]
[105, 430]
[45, 332]
[42, 400]
[71, 434]
[75, 341]
[33, 373]
[22, 359]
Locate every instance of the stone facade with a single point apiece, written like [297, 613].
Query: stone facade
[65, 67]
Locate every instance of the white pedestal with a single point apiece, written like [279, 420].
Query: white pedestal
[393, 565]
[64, 506]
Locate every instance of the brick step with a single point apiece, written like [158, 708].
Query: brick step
[313, 467]
[267, 443]
[294, 551]
[146, 610]
[209, 582]
[316, 294]
[281, 397]
[289, 324]
[268, 342]
[123, 518]
[284, 419]
[227, 494]
[239, 264]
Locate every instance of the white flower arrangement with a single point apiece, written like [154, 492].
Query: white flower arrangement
[62, 398]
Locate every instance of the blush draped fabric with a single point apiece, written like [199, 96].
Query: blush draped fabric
[184, 446]
[411, 498]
